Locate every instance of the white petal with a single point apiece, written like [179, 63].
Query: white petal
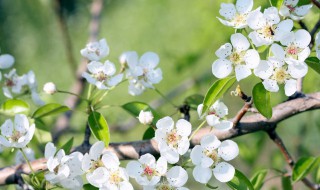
[165, 123]
[244, 6]
[6, 61]
[290, 87]
[115, 80]
[199, 110]
[242, 71]
[304, 54]
[109, 68]
[224, 172]
[220, 108]
[95, 67]
[196, 155]
[7, 128]
[131, 58]
[104, 48]
[154, 76]
[283, 28]
[49, 150]
[287, 39]
[125, 185]
[278, 51]
[227, 10]
[177, 176]
[227, 23]
[259, 40]
[256, 20]
[110, 160]
[239, 42]
[298, 70]
[252, 58]
[212, 120]
[206, 162]
[149, 60]
[171, 155]
[183, 127]
[317, 44]
[224, 51]
[202, 175]
[292, 3]
[264, 69]
[162, 166]
[271, 15]
[270, 85]
[147, 159]
[89, 78]
[302, 10]
[183, 146]
[228, 150]
[224, 125]
[97, 177]
[221, 68]
[284, 11]
[96, 150]
[134, 169]
[303, 38]
[4, 142]
[210, 142]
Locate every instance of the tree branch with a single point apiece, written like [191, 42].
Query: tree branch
[316, 2]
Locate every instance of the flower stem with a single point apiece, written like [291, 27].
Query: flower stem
[164, 97]
[28, 162]
[197, 129]
[71, 93]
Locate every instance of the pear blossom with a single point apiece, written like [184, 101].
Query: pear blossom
[176, 177]
[102, 75]
[147, 171]
[33, 86]
[63, 169]
[6, 61]
[172, 140]
[19, 159]
[94, 51]
[142, 73]
[210, 156]
[145, 117]
[50, 88]
[215, 116]
[13, 83]
[236, 55]
[267, 26]
[16, 134]
[317, 44]
[236, 15]
[290, 9]
[275, 72]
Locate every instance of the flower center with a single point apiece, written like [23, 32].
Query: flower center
[114, 178]
[267, 31]
[9, 83]
[237, 57]
[16, 136]
[291, 8]
[240, 19]
[280, 75]
[292, 51]
[101, 76]
[96, 164]
[148, 171]
[173, 138]
[213, 154]
[164, 186]
[56, 169]
[94, 48]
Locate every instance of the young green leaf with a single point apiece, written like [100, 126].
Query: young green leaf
[89, 187]
[194, 100]
[148, 134]
[261, 99]
[67, 146]
[134, 109]
[277, 3]
[258, 179]
[41, 125]
[49, 109]
[216, 91]
[303, 167]
[240, 182]
[99, 127]
[13, 107]
[286, 183]
[314, 63]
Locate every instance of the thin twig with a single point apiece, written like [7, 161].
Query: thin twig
[248, 104]
[313, 33]
[316, 2]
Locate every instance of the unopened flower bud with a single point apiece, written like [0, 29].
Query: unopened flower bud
[50, 88]
[145, 117]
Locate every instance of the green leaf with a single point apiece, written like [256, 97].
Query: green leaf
[194, 100]
[277, 3]
[99, 127]
[89, 187]
[49, 109]
[67, 146]
[286, 183]
[262, 49]
[258, 179]
[217, 90]
[303, 167]
[303, 2]
[261, 99]
[314, 63]
[148, 134]
[240, 182]
[134, 109]
[41, 125]
[13, 106]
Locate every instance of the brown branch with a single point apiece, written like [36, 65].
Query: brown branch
[313, 33]
[72, 101]
[248, 104]
[248, 124]
[316, 2]
[278, 141]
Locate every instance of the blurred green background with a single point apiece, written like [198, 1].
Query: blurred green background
[184, 33]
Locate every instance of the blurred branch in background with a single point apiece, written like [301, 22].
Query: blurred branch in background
[72, 102]
[247, 125]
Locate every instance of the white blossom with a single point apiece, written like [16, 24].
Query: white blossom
[142, 73]
[274, 72]
[95, 51]
[49, 88]
[145, 117]
[172, 140]
[33, 86]
[13, 83]
[210, 156]
[102, 75]
[215, 116]
[19, 159]
[317, 44]
[236, 55]
[147, 171]
[290, 9]
[267, 26]
[236, 15]
[16, 134]
[6, 61]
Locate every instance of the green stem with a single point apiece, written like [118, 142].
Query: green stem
[164, 97]
[71, 93]
[197, 129]
[247, 33]
[28, 162]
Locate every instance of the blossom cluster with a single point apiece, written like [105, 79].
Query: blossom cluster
[141, 73]
[287, 52]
